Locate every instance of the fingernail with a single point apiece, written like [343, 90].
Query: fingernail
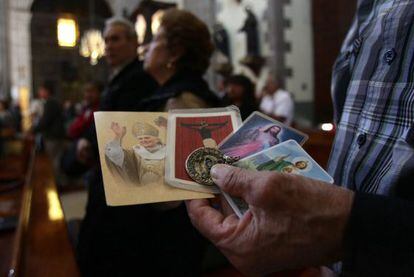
[218, 171]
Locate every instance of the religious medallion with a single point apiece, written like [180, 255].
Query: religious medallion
[200, 162]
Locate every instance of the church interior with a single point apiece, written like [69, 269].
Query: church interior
[262, 46]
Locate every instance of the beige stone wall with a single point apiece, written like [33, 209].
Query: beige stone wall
[4, 72]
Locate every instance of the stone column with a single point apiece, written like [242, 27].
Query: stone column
[19, 44]
[4, 57]
[206, 11]
[291, 38]
[277, 25]
[18, 30]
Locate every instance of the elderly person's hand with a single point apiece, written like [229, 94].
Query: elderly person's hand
[292, 222]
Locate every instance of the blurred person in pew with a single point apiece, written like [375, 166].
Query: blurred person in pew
[50, 126]
[6, 123]
[91, 101]
[277, 102]
[240, 92]
[6, 117]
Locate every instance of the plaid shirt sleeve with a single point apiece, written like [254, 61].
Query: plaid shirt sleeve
[373, 152]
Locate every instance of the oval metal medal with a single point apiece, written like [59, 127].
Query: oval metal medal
[200, 162]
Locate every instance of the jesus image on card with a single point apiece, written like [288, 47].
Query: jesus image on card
[188, 131]
[205, 130]
[259, 132]
[144, 162]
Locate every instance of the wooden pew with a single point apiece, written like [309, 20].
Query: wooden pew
[14, 169]
[40, 244]
[25, 208]
[319, 145]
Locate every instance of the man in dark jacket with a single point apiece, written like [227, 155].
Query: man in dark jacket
[108, 240]
[108, 243]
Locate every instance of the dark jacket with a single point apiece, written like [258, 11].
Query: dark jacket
[110, 237]
[127, 89]
[384, 238]
[184, 82]
[51, 123]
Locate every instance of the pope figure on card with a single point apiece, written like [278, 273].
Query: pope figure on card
[143, 163]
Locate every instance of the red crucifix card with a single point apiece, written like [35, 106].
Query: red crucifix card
[189, 130]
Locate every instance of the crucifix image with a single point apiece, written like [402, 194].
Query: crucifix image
[205, 130]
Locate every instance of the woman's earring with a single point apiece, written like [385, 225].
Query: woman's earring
[169, 65]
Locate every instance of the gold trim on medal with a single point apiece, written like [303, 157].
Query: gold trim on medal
[200, 162]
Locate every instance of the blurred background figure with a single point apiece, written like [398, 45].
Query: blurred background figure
[16, 114]
[77, 128]
[240, 92]
[51, 127]
[36, 109]
[6, 117]
[69, 112]
[7, 125]
[277, 102]
[91, 100]
[177, 59]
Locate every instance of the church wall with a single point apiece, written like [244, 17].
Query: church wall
[18, 51]
[286, 39]
[298, 36]
[300, 57]
[128, 6]
[4, 58]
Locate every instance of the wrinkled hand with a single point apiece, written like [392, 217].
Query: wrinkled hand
[119, 131]
[292, 221]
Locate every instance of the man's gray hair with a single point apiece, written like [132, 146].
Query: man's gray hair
[116, 20]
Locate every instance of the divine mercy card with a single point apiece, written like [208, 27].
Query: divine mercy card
[258, 132]
[132, 152]
[189, 130]
[286, 157]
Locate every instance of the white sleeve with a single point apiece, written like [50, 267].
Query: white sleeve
[284, 106]
[114, 152]
[266, 105]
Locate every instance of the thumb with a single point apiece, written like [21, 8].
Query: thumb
[233, 180]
